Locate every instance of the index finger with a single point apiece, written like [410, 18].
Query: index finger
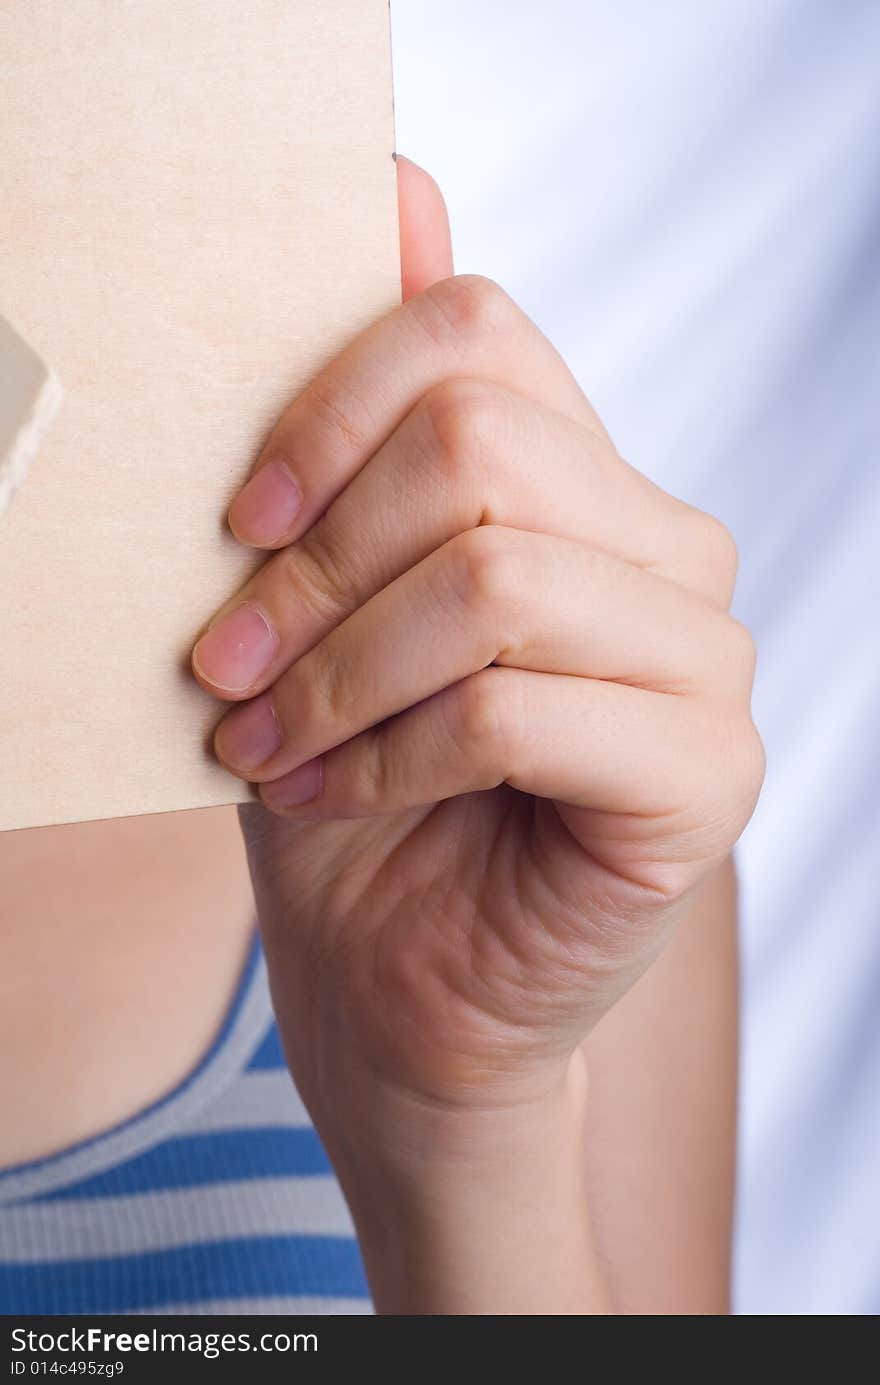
[464, 325]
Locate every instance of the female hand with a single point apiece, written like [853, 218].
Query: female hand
[496, 707]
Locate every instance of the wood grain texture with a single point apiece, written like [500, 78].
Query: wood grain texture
[198, 210]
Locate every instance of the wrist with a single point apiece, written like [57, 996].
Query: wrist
[477, 1210]
[383, 1129]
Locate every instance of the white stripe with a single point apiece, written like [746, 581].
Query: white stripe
[304, 1307]
[101, 1228]
[254, 1101]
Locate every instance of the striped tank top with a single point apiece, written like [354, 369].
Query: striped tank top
[217, 1199]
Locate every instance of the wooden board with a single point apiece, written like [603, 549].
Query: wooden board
[198, 208]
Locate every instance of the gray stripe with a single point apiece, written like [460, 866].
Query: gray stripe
[159, 1121]
[341, 1307]
[100, 1228]
[253, 1101]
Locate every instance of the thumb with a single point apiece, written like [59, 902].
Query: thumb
[425, 243]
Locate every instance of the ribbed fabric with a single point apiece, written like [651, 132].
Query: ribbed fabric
[218, 1199]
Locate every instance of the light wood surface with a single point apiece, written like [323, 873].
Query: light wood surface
[197, 210]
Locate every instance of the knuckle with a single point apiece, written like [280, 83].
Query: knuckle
[488, 719]
[313, 573]
[753, 759]
[735, 782]
[322, 688]
[469, 306]
[743, 650]
[463, 417]
[488, 572]
[720, 554]
[328, 685]
[371, 776]
[339, 419]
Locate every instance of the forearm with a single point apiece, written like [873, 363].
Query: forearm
[661, 1128]
[481, 1212]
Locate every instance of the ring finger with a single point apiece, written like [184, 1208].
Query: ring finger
[491, 595]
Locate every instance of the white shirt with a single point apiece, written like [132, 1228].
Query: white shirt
[685, 198]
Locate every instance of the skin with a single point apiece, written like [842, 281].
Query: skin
[521, 1121]
[121, 944]
[498, 713]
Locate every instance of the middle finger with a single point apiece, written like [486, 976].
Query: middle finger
[468, 455]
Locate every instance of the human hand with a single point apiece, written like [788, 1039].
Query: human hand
[494, 701]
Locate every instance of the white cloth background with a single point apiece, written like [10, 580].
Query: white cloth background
[686, 197]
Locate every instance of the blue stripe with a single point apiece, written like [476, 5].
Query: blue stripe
[192, 1161]
[270, 1054]
[324, 1266]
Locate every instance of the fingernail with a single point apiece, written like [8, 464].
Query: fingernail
[300, 786]
[237, 650]
[264, 509]
[248, 736]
